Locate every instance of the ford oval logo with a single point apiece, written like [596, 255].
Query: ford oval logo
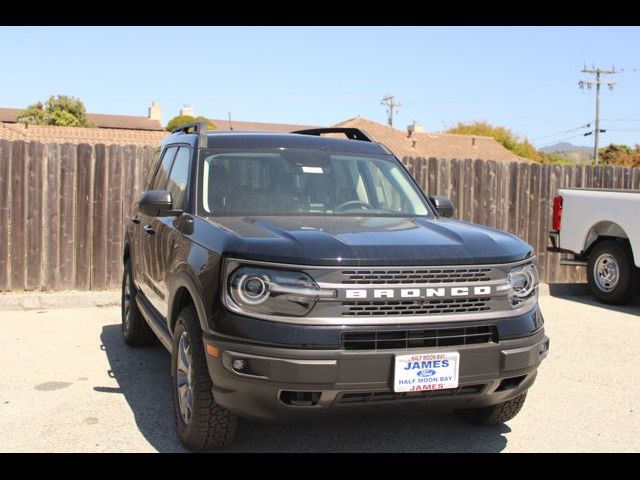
[425, 373]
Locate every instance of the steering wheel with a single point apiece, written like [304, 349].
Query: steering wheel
[350, 203]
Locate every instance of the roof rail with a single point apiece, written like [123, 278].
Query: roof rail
[196, 127]
[350, 133]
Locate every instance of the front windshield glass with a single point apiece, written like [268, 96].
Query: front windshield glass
[293, 181]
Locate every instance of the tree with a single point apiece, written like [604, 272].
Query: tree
[175, 122]
[59, 110]
[620, 155]
[508, 140]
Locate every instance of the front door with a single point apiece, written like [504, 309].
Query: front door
[148, 234]
[165, 234]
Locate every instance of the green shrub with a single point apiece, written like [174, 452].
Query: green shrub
[59, 110]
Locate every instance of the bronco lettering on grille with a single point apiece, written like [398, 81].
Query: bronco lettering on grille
[386, 293]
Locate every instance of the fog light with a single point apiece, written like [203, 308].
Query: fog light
[239, 365]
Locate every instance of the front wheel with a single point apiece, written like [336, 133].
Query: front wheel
[612, 276]
[495, 414]
[202, 424]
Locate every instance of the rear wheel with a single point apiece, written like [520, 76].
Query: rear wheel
[202, 424]
[612, 276]
[495, 414]
[135, 330]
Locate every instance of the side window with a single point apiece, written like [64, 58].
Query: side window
[179, 179]
[160, 179]
[152, 168]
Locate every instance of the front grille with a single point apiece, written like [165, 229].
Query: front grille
[419, 275]
[408, 307]
[418, 338]
[372, 397]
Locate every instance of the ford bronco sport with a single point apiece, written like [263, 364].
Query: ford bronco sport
[299, 273]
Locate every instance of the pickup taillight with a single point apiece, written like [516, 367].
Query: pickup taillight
[557, 212]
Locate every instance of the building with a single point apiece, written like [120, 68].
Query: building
[225, 125]
[138, 130]
[415, 142]
[109, 129]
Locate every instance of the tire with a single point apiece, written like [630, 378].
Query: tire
[612, 276]
[495, 414]
[204, 425]
[135, 330]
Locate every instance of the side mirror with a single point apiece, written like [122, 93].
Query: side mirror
[156, 203]
[443, 205]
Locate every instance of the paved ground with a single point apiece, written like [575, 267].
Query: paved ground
[68, 383]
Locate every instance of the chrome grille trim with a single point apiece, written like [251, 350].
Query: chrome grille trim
[426, 275]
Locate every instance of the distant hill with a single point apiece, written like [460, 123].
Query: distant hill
[564, 147]
[574, 153]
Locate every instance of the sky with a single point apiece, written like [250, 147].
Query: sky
[523, 78]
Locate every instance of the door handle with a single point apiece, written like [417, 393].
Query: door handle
[136, 220]
[148, 230]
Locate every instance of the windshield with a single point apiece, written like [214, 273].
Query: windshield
[293, 181]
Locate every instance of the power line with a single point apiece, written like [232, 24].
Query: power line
[620, 119]
[547, 144]
[597, 82]
[561, 133]
[623, 129]
[389, 102]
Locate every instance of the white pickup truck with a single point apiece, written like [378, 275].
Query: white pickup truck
[601, 228]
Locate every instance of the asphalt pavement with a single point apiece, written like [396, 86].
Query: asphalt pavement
[69, 384]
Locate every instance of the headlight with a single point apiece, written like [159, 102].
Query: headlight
[274, 292]
[523, 284]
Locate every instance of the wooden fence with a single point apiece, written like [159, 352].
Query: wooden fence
[63, 207]
[62, 213]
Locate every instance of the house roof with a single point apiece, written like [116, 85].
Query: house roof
[9, 115]
[223, 124]
[127, 122]
[438, 145]
[419, 144]
[76, 135]
[123, 122]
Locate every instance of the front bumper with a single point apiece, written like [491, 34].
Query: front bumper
[283, 382]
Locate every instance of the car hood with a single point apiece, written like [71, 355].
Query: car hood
[345, 240]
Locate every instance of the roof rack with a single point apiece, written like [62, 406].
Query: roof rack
[350, 133]
[196, 127]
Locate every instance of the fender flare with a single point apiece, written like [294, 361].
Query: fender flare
[184, 279]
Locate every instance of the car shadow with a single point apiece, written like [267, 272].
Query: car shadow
[580, 293]
[144, 379]
[143, 376]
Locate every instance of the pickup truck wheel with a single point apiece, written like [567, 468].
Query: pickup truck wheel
[612, 276]
[202, 424]
[135, 330]
[495, 414]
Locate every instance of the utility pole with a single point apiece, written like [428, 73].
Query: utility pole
[389, 102]
[597, 72]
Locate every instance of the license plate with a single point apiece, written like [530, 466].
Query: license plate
[426, 371]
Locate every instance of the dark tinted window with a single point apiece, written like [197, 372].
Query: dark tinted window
[179, 179]
[154, 166]
[163, 172]
[294, 181]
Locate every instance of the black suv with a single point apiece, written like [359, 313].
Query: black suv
[292, 274]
